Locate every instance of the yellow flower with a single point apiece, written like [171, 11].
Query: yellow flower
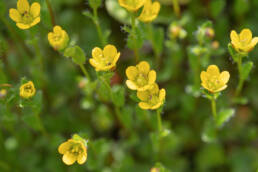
[131, 5]
[152, 98]
[27, 90]
[140, 77]
[74, 149]
[244, 41]
[25, 15]
[3, 93]
[150, 11]
[58, 39]
[213, 80]
[154, 170]
[106, 59]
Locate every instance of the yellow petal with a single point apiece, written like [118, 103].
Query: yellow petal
[35, 9]
[22, 6]
[64, 147]
[116, 59]
[97, 53]
[143, 95]
[57, 29]
[224, 77]
[203, 76]
[82, 158]
[110, 52]
[213, 70]
[143, 67]
[245, 36]
[154, 89]
[22, 26]
[156, 106]
[156, 7]
[234, 37]
[130, 84]
[162, 94]
[254, 42]
[93, 62]
[144, 105]
[35, 21]
[69, 158]
[152, 76]
[14, 15]
[220, 89]
[131, 72]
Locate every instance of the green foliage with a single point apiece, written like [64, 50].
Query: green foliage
[76, 53]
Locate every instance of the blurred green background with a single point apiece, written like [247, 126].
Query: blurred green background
[67, 105]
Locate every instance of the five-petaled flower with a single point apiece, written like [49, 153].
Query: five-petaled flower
[131, 5]
[152, 98]
[150, 11]
[106, 59]
[140, 77]
[58, 39]
[213, 80]
[244, 41]
[27, 90]
[25, 15]
[75, 149]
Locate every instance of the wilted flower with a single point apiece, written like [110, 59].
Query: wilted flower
[244, 41]
[150, 11]
[106, 59]
[58, 39]
[131, 5]
[213, 80]
[140, 77]
[27, 90]
[152, 98]
[74, 149]
[25, 15]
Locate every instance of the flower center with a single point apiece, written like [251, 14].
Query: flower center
[76, 149]
[28, 89]
[57, 37]
[26, 18]
[141, 79]
[153, 99]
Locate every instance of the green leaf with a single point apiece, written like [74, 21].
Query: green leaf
[217, 7]
[158, 37]
[233, 53]
[118, 95]
[209, 133]
[246, 69]
[76, 53]
[224, 116]
[117, 12]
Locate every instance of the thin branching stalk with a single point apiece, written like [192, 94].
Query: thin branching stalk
[133, 31]
[85, 72]
[176, 8]
[96, 22]
[51, 13]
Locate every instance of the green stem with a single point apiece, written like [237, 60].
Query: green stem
[241, 81]
[176, 7]
[213, 107]
[157, 56]
[51, 13]
[136, 51]
[42, 128]
[159, 120]
[96, 22]
[85, 72]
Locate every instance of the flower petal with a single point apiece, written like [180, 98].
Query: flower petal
[35, 9]
[143, 95]
[130, 84]
[22, 26]
[110, 52]
[245, 36]
[154, 89]
[82, 158]
[14, 15]
[35, 21]
[152, 76]
[23, 5]
[131, 72]
[234, 39]
[69, 158]
[162, 94]
[97, 53]
[254, 42]
[64, 147]
[213, 70]
[224, 77]
[204, 76]
[57, 29]
[144, 105]
[143, 67]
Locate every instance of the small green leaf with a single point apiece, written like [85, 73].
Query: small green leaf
[209, 133]
[76, 53]
[118, 95]
[95, 4]
[246, 69]
[233, 53]
[224, 116]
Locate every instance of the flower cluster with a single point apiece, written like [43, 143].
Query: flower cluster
[27, 90]
[142, 79]
[106, 59]
[213, 80]
[25, 15]
[75, 149]
[150, 10]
